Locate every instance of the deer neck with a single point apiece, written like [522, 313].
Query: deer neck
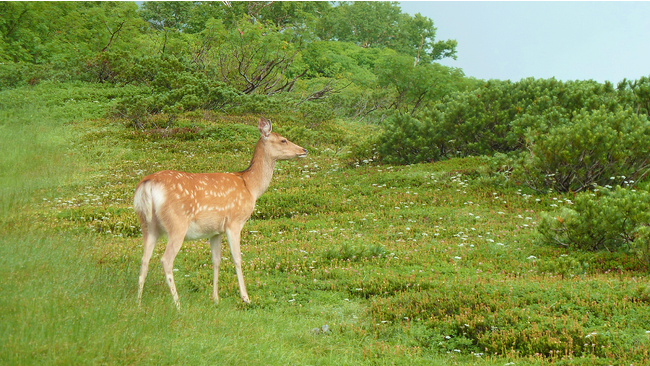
[259, 173]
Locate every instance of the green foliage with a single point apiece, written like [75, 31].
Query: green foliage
[612, 219]
[598, 147]
[406, 140]
[349, 252]
[19, 74]
[249, 48]
[163, 15]
[636, 93]
[248, 57]
[382, 24]
[496, 116]
[564, 266]
[338, 60]
[416, 86]
[575, 133]
[315, 113]
[364, 149]
[173, 90]
[489, 319]
[65, 34]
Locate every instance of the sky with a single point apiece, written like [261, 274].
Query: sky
[566, 40]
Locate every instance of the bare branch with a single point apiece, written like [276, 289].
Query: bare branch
[113, 34]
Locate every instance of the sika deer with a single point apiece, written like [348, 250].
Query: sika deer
[190, 206]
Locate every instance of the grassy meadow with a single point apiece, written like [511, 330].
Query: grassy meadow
[432, 264]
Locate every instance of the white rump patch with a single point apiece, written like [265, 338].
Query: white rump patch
[158, 196]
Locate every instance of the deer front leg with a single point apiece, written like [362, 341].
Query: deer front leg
[233, 240]
[215, 246]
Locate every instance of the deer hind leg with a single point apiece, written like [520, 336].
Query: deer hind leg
[150, 236]
[174, 244]
[233, 240]
[215, 246]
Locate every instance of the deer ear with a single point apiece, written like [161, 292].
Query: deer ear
[264, 125]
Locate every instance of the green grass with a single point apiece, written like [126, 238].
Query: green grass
[423, 264]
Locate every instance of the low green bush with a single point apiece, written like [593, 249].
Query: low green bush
[189, 92]
[599, 147]
[407, 140]
[496, 117]
[611, 219]
[17, 74]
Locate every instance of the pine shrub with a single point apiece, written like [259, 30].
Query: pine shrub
[599, 147]
[407, 140]
[609, 218]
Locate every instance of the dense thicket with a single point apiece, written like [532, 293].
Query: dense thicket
[364, 60]
[564, 136]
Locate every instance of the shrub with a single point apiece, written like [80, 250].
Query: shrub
[407, 140]
[477, 122]
[610, 219]
[563, 266]
[498, 116]
[174, 92]
[363, 150]
[13, 75]
[599, 147]
[636, 94]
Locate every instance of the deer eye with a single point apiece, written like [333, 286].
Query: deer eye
[284, 141]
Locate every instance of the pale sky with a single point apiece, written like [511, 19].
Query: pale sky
[566, 40]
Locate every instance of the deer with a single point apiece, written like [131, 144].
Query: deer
[190, 206]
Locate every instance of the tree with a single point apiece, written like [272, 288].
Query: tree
[382, 24]
[249, 57]
[18, 30]
[63, 33]
[416, 86]
[169, 18]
